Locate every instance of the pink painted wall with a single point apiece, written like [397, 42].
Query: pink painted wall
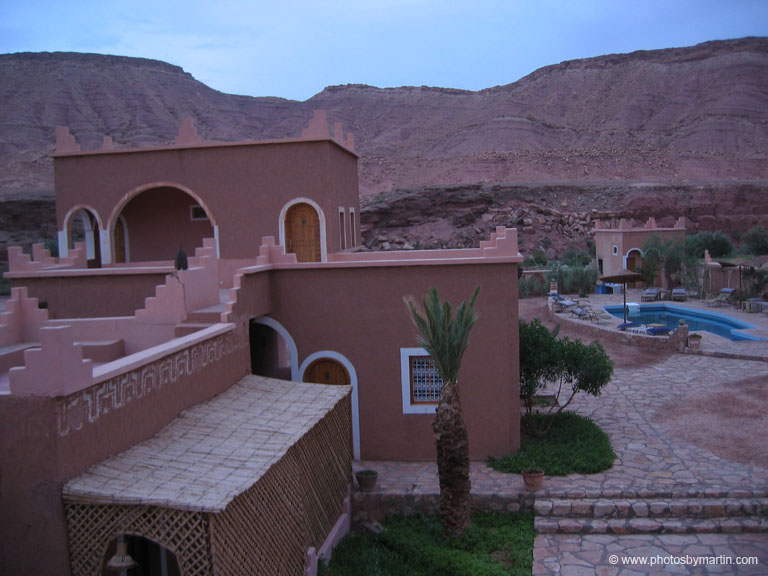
[94, 295]
[368, 323]
[244, 186]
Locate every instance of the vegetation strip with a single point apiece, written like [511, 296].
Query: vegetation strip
[495, 544]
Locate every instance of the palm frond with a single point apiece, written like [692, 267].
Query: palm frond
[443, 336]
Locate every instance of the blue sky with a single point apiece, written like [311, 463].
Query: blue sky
[295, 48]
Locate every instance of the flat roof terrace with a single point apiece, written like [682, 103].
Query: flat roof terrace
[212, 452]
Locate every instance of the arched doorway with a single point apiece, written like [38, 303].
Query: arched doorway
[83, 226]
[302, 232]
[313, 369]
[327, 371]
[151, 558]
[634, 263]
[160, 219]
[273, 350]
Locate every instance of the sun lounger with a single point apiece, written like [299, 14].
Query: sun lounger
[627, 326]
[584, 314]
[650, 295]
[656, 329]
[679, 295]
[560, 304]
[723, 298]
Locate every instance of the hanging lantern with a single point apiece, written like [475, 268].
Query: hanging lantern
[121, 560]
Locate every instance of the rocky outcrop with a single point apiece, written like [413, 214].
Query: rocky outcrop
[551, 217]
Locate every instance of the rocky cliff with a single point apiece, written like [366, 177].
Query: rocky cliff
[696, 115]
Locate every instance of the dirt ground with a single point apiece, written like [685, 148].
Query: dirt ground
[731, 422]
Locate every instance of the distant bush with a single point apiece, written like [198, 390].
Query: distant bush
[575, 279]
[5, 283]
[718, 244]
[756, 240]
[575, 257]
[52, 246]
[532, 286]
[535, 259]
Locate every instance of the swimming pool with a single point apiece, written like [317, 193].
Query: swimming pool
[670, 315]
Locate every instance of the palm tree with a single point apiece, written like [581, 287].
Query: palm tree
[445, 339]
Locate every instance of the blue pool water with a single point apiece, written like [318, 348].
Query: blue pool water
[670, 315]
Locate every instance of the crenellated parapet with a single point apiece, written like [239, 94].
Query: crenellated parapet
[317, 127]
[41, 259]
[57, 368]
[270, 252]
[503, 243]
[22, 319]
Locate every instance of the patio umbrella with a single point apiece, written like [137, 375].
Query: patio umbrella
[622, 277]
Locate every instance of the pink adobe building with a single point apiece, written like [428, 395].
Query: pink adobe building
[171, 411]
[621, 247]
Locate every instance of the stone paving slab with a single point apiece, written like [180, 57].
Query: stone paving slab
[611, 555]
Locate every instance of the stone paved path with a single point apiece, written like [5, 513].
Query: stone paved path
[609, 555]
[651, 463]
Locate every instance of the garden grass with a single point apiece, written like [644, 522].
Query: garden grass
[496, 544]
[574, 445]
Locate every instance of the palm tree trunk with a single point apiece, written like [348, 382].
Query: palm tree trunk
[452, 461]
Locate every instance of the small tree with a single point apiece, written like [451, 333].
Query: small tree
[756, 240]
[570, 366]
[445, 338]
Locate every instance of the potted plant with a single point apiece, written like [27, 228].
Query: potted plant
[533, 478]
[694, 341]
[366, 479]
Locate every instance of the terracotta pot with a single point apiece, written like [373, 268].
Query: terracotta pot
[366, 480]
[533, 479]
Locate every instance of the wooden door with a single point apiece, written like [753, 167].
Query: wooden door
[302, 232]
[326, 371]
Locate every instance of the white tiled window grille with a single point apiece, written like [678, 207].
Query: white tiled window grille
[421, 383]
[425, 381]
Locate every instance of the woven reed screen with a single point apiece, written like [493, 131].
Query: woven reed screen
[265, 530]
[92, 527]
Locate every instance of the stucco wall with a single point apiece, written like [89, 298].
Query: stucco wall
[92, 295]
[244, 186]
[360, 314]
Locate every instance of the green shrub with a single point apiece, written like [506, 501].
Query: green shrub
[535, 259]
[574, 445]
[756, 240]
[575, 280]
[532, 286]
[718, 244]
[495, 544]
[569, 365]
[5, 283]
[575, 257]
